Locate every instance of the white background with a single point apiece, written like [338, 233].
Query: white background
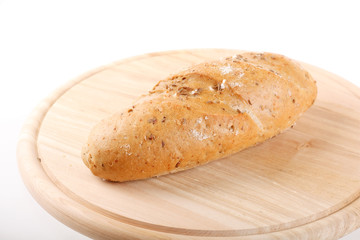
[43, 44]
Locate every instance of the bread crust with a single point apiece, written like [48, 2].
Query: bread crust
[201, 114]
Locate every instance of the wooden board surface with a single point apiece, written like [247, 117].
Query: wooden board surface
[303, 184]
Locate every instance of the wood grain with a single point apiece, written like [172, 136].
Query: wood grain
[303, 184]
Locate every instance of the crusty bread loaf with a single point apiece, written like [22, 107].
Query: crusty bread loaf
[203, 113]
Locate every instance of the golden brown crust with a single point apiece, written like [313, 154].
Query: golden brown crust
[203, 113]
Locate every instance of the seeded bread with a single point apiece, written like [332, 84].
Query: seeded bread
[201, 114]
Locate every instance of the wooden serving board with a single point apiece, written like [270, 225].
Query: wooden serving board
[302, 184]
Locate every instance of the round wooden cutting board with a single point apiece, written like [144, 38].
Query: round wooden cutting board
[302, 184]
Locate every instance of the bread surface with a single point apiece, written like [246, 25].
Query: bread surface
[201, 114]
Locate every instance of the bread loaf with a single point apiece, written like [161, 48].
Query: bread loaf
[203, 113]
